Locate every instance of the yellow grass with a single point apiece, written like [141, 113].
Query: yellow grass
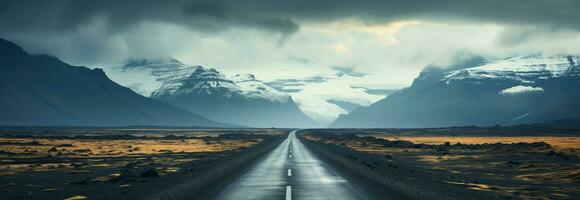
[96, 151]
[558, 142]
[486, 169]
[123, 147]
[76, 197]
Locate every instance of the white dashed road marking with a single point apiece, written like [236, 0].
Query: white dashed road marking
[288, 192]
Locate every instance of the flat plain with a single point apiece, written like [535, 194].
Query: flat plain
[81, 164]
[525, 166]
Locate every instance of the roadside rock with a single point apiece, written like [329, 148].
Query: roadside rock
[79, 164]
[132, 165]
[150, 173]
[127, 174]
[53, 149]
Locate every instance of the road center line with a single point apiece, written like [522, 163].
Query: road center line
[290, 156]
[289, 172]
[288, 192]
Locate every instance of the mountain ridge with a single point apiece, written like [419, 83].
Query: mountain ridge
[41, 90]
[473, 96]
[241, 99]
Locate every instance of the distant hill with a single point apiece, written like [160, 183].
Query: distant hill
[39, 90]
[519, 90]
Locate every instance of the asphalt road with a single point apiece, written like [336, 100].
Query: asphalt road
[291, 171]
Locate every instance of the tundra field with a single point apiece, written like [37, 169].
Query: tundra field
[475, 163]
[80, 164]
[530, 166]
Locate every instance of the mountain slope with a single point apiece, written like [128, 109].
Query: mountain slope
[241, 100]
[42, 90]
[519, 90]
[256, 89]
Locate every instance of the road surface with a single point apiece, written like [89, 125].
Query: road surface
[291, 171]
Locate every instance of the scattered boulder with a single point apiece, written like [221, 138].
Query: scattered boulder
[511, 162]
[364, 144]
[132, 165]
[6, 152]
[85, 181]
[150, 173]
[353, 157]
[53, 149]
[79, 164]
[403, 143]
[65, 145]
[559, 154]
[127, 174]
[370, 164]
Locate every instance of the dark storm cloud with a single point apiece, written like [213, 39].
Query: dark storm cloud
[278, 16]
[64, 15]
[94, 30]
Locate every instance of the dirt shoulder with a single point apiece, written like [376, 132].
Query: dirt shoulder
[205, 183]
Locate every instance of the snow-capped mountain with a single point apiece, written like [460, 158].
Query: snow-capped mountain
[523, 69]
[40, 90]
[242, 100]
[253, 88]
[201, 82]
[163, 77]
[478, 91]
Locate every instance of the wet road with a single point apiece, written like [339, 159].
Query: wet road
[291, 171]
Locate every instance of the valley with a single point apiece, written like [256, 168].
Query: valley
[291, 100]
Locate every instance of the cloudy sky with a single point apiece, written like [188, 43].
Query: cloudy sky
[385, 42]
